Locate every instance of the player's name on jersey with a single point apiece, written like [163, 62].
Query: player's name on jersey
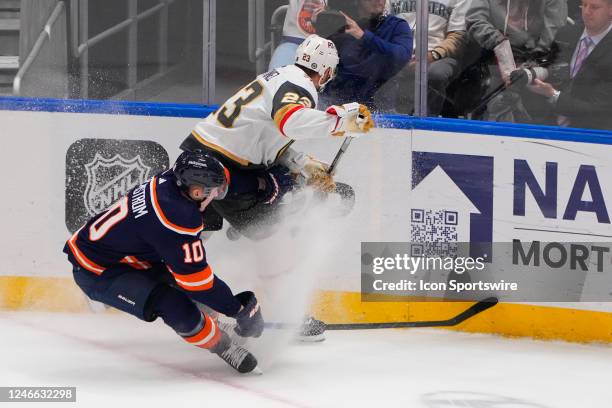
[139, 205]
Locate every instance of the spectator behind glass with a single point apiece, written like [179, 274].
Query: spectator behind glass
[372, 49]
[446, 45]
[584, 97]
[529, 26]
[297, 26]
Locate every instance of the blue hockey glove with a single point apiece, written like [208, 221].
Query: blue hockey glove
[249, 318]
[278, 182]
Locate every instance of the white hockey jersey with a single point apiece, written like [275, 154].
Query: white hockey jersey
[258, 123]
[298, 20]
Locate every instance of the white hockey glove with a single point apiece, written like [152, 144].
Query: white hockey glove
[352, 117]
[317, 176]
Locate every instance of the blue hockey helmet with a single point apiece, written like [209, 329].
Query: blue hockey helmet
[199, 168]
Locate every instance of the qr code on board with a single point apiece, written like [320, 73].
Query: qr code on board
[437, 230]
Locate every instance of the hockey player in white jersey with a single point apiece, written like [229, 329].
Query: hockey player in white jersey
[256, 127]
[252, 133]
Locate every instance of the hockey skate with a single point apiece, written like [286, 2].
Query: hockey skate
[235, 355]
[312, 330]
[228, 327]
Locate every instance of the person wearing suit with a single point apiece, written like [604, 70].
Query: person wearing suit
[584, 98]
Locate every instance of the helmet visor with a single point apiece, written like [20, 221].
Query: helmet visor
[217, 192]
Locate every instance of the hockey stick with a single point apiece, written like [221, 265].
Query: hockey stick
[345, 191]
[343, 149]
[473, 310]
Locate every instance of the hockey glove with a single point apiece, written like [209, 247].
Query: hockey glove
[352, 117]
[249, 319]
[318, 177]
[274, 184]
[364, 120]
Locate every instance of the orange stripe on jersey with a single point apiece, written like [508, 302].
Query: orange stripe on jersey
[208, 337]
[81, 258]
[136, 263]
[227, 175]
[201, 280]
[283, 114]
[162, 217]
[221, 150]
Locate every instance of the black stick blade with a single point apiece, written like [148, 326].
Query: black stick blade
[473, 310]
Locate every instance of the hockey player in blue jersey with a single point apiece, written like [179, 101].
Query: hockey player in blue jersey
[143, 256]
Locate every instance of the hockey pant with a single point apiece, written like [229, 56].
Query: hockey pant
[148, 294]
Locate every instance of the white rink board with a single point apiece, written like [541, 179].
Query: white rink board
[36, 210]
[378, 166]
[568, 157]
[508, 223]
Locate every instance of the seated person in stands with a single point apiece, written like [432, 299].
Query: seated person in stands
[584, 97]
[297, 26]
[527, 27]
[373, 46]
[446, 45]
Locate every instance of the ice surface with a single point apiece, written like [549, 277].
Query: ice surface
[117, 360]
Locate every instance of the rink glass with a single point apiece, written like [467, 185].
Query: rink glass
[192, 51]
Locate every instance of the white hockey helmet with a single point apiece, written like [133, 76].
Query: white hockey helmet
[318, 54]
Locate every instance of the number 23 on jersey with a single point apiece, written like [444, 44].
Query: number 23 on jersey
[229, 112]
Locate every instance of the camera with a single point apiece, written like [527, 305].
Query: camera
[554, 73]
[526, 76]
[331, 21]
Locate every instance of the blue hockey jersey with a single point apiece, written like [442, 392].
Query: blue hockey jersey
[153, 223]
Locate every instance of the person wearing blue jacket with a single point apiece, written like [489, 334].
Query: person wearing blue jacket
[372, 49]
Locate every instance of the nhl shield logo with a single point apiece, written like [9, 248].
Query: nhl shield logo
[110, 179]
[101, 171]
